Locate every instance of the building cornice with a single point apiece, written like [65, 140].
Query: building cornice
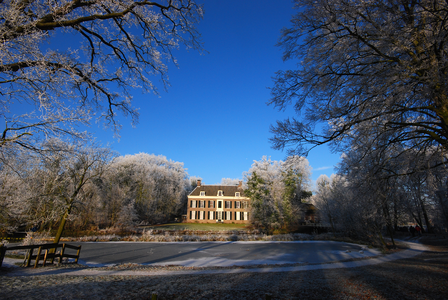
[218, 198]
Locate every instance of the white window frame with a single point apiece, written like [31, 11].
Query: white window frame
[201, 215]
[237, 204]
[202, 193]
[220, 194]
[210, 215]
[228, 215]
[245, 216]
[193, 203]
[237, 194]
[193, 215]
[229, 204]
[212, 202]
[202, 203]
[238, 216]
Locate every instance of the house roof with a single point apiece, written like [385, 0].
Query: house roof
[212, 190]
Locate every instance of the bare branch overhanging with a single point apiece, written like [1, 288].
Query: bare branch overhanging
[364, 63]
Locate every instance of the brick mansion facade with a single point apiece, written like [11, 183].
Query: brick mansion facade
[218, 203]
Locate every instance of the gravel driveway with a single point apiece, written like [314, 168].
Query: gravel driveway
[421, 277]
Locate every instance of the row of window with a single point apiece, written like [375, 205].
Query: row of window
[220, 194]
[211, 204]
[219, 215]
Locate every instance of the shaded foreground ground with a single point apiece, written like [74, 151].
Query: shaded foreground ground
[422, 277]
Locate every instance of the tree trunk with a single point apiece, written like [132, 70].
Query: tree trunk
[389, 225]
[395, 215]
[425, 215]
[389, 228]
[62, 223]
[381, 238]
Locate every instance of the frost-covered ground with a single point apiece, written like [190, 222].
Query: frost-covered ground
[419, 277]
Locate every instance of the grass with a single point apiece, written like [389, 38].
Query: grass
[199, 226]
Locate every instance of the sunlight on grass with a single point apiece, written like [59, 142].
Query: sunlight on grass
[198, 226]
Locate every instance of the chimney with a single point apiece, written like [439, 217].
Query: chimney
[199, 182]
[240, 184]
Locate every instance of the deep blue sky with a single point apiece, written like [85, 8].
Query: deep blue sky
[214, 117]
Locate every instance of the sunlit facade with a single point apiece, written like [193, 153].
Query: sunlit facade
[218, 204]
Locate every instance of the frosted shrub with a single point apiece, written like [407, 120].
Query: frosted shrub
[263, 237]
[147, 235]
[86, 238]
[191, 238]
[243, 237]
[282, 237]
[109, 237]
[134, 238]
[198, 236]
[302, 237]
[205, 238]
[33, 238]
[232, 237]
[164, 238]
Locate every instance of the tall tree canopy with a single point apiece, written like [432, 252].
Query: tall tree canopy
[276, 189]
[365, 68]
[72, 59]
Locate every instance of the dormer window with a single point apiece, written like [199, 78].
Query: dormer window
[219, 193]
[237, 194]
[202, 193]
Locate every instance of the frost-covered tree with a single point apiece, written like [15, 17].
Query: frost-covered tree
[88, 187]
[194, 181]
[13, 192]
[74, 170]
[438, 183]
[50, 189]
[379, 66]
[156, 185]
[324, 201]
[108, 49]
[372, 200]
[263, 211]
[230, 181]
[276, 189]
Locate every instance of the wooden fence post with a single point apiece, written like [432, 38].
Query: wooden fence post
[77, 254]
[62, 253]
[28, 257]
[39, 251]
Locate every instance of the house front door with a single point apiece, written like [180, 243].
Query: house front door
[219, 216]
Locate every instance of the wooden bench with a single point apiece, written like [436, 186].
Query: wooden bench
[44, 252]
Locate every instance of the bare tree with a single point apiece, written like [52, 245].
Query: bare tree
[45, 189]
[111, 47]
[377, 65]
[73, 169]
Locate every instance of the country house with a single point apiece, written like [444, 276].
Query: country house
[218, 203]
